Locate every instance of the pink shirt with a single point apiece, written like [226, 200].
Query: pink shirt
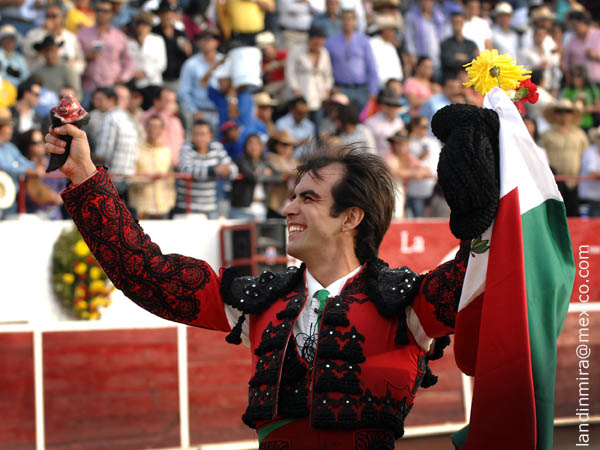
[382, 128]
[173, 134]
[575, 49]
[114, 62]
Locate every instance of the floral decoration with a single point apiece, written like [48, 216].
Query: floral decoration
[78, 281]
[490, 69]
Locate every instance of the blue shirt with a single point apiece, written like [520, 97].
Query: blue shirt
[14, 68]
[431, 106]
[192, 95]
[15, 164]
[124, 16]
[329, 26]
[299, 131]
[353, 62]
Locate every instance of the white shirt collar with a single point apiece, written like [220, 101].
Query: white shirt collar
[312, 285]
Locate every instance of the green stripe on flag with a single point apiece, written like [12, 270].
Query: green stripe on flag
[549, 276]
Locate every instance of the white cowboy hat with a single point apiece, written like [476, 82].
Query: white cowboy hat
[8, 190]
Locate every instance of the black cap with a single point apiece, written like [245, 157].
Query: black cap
[48, 41]
[316, 31]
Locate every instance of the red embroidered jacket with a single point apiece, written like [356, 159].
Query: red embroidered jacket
[371, 354]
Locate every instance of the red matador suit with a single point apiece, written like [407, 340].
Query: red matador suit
[374, 342]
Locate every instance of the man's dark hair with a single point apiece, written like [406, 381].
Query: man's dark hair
[293, 102]
[580, 16]
[156, 117]
[108, 91]
[449, 76]
[202, 122]
[367, 183]
[25, 86]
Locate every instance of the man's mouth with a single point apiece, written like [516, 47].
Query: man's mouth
[296, 228]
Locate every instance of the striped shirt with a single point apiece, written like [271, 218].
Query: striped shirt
[203, 191]
[117, 142]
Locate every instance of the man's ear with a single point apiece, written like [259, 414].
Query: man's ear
[353, 216]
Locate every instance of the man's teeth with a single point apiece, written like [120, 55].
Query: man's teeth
[296, 228]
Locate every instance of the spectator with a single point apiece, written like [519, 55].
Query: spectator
[331, 111]
[351, 131]
[208, 162]
[309, 74]
[80, 16]
[122, 14]
[542, 16]
[475, 28]
[149, 57]
[12, 160]
[8, 93]
[296, 122]
[451, 89]
[135, 111]
[427, 149]
[178, 46]
[580, 89]
[387, 121]
[118, 139]
[20, 14]
[70, 51]
[42, 197]
[54, 73]
[295, 19]
[193, 97]
[537, 56]
[545, 99]
[589, 191]
[504, 38]
[14, 66]
[424, 28]
[246, 19]
[94, 126]
[329, 21]
[420, 86]
[281, 157]
[165, 106]
[583, 47]
[264, 110]
[456, 50]
[353, 63]
[151, 195]
[405, 167]
[23, 113]
[385, 49]
[273, 66]
[109, 61]
[248, 192]
[565, 143]
[230, 138]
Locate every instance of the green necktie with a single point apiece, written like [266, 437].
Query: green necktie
[322, 295]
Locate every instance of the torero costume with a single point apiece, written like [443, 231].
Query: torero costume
[373, 344]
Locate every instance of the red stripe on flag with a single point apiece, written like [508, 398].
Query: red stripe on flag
[503, 408]
[468, 321]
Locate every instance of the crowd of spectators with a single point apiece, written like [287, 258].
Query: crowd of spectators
[205, 106]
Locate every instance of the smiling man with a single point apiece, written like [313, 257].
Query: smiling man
[340, 345]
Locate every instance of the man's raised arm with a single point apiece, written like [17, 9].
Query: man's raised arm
[174, 287]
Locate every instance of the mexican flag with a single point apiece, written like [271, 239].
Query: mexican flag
[515, 299]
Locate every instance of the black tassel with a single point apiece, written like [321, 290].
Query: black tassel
[235, 336]
[429, 379]
[438, 348]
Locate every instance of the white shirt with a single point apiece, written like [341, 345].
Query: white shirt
[307, 319]
[505, 41]
[424, 188]
[387, 60]
[590, 162]
[297, 15]
[313, 81]
[478, 31]
[151, 57]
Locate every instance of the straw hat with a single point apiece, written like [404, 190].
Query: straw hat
[8, 191]
[502, 8]
[384, 22]
[542, 13]
[5, 117]
[265, 39]
[264, 99]
[283, 137]
[8, 30]
[563, 105]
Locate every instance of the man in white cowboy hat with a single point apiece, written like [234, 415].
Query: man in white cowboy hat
[504, 38]
[565, 143]
[384, 46]
[540, 16]
[590, 167]
[14, 66]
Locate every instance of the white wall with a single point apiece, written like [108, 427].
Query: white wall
[25, 254]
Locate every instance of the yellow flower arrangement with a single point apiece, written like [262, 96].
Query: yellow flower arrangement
[79, 283]
[489, 70]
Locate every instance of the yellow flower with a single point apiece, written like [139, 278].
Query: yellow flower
[68, 278]
[84, 315]
[490, 69]
[81, 305]
[81, 249]
[97, 301]
[94, 315]
[95, 272]
[79, 292]
[97, 286]
[80, 268]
